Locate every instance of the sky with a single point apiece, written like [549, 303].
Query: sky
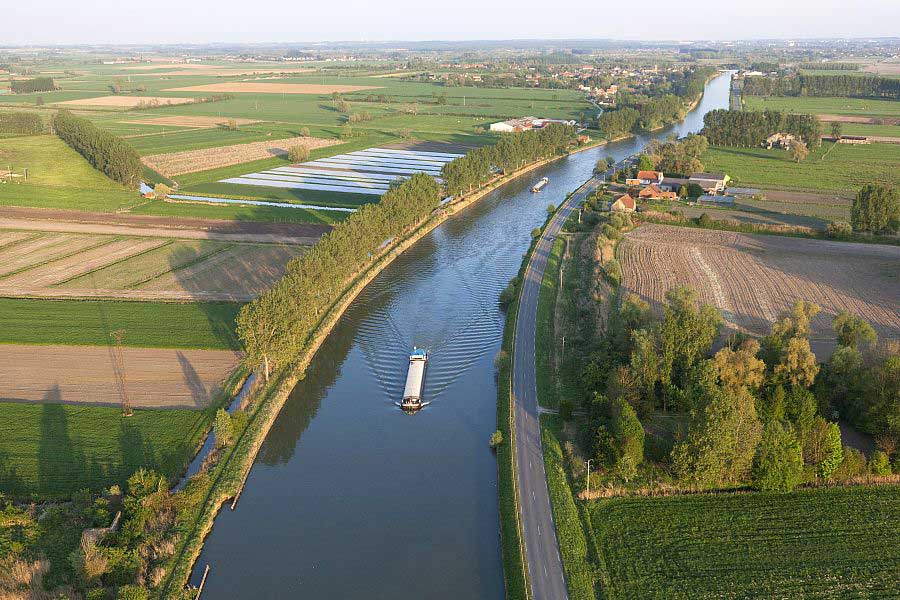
[204, 21]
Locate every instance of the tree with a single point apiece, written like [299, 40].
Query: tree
[628, 433]
[161, 191]
[231, 125]
[836, 129]
[790, 324]
[853, 330]
[304, 132]
[799, 151]
[880, 464]
[39, 101]
[798, 365]
[496, 439]
[876, 209]
[832, 452]
[778, 464]
[645, 163]
[298, 154]
[740, 367]
[222, 428]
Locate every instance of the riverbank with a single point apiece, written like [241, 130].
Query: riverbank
[228, 477]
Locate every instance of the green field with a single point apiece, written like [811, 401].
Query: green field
[90, 323]
[58, 177]
[825, 543]
[841, 168]
[53, 450]
[853, 107]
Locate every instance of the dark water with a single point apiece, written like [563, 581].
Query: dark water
[352, 498]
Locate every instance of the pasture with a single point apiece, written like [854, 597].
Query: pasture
[816, 543]
[751, 279]
[830, 168]
[876, 117]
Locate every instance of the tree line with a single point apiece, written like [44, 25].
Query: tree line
[816, 85]
[21, 123]
[512, 151]
[750, 128]
[830, 66]
[108, 153]
[28, 86]
[664, 103]
[278, 323]
[674, 157]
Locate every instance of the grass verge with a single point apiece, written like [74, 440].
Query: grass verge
[545, 309]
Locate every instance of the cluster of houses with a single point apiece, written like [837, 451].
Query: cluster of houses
[653, 185]
[526, 124]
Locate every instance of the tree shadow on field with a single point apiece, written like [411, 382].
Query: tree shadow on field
[200, 395]
[61, 466]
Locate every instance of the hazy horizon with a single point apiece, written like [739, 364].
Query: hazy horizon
[206, 22]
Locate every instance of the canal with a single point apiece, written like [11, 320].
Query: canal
[352, 498]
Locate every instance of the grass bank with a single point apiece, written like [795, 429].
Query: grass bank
[546, 308]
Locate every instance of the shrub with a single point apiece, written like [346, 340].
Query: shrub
[501, 360]
[508, 295]
[222, 428]
[876, 209]
[536, 233]
[123, 566]
[109, 154]
[298, 154]
[132, 592]
[853, 465]
[496, 439]
[613, 271]
[778, 464]
[231, 125]
[22, 123]
[839, 229]
[161, 191]
[879, 464]
[704, 220]
[566, 408]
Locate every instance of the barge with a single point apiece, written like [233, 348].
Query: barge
[540, 185]
[415, 378]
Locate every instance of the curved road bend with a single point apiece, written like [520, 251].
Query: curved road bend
[545, 571]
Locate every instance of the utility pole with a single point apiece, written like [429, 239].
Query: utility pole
[588, 477]
[120, 371]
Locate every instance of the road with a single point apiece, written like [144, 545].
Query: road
[545, 571]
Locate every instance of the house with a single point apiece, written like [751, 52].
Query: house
[853, 139]
[652, 192]
[633, 182]
[624, 203]
[779, 140]
[526, 124]
[711, 200]
[648, 177]
[711, 183]
[672, 184]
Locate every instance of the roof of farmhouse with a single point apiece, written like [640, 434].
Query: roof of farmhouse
[711, 176]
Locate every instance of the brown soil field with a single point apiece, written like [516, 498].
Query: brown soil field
[884, 68]
[753, 278]
[191, 161]
[183, 121]
[39, 249]
[157, 378]
[274, 88]
[864, 120]
[125, 101]
[288, 230]
[12, 237]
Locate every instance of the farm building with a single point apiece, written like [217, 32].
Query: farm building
[711, 183]
[853, 139]
[525, 124]
[624, 203]
[633, 182]
[672, 184]
[652, 192]
[712, 200]
[648, 177]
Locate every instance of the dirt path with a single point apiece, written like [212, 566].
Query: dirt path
[156, 378]
[296, 233]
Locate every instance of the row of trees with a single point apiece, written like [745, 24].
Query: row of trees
[275, 326]
[757, 407]
[28, 86]
[511, 152]
[108, 153]
[830, 66]
[750, 128]
[21, 123]
[858, 86]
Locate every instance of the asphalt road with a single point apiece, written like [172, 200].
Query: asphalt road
[545, 571]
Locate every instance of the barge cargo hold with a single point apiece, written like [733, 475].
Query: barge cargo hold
[415, 378]
[540, 185]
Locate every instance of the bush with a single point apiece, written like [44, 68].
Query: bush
[298, 154]
[304, 132]
[879, 464]
[109, 154]
[161, 191]
[566, 408]
[839, 229]
[21, 123]
[704, 220]
[501, 360]
[853, 465]
[778, 464]
[132, 592]
[613, 271]
[876, 209]
[222, 428]
[123, 566]
[536, 233]
[508, 295]
[496, 439]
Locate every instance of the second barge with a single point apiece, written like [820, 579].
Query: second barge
[540, 185]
